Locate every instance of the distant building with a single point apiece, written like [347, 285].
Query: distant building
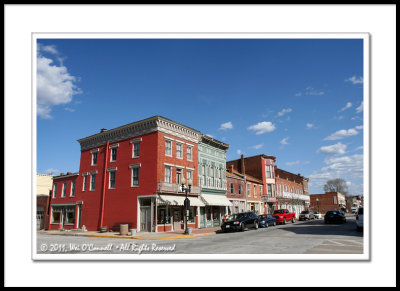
[328, 201]
[292, 191]
[236, 190]
[43, 188]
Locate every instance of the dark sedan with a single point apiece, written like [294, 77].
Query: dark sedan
[240, 221]
[266, 220]
[335, 216]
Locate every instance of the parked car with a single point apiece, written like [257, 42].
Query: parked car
[266, 220]
[317, 215]
[335, 216]
[360, 218]
[307, 215]
[240, 221]
[283, 215]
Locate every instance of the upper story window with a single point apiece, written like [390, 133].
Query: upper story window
[240, 189]
[168, 174]
[261, 190]
[189, 152]
[255, 191]
[94, 158]
[179, 154]
[168, 147]
[113, 154]
[111, 182]
[135, 175]
[232, 188]
[54, 190]
[268, 170]
[178, 176]
[203, 171]
[64, 189]
[93, 182]
[72, 194]
[136, 149]
[248, 190]
[269, 189]
[189, 175]
[84, 183]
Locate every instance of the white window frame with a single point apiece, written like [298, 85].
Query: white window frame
[54, 190]
[135, 166]
[134, 143]
[84, 182]
[94, 153]
[170, 174]
[64, 190]
[248, 190]
[72, 194]
[187, 152]
[92, 186]
[170, 148]
[113, 171]
[181, 150]
[111, 154]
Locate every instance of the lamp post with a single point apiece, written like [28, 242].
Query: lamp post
[317, 203]
[187, 201]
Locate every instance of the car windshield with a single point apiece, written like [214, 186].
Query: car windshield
[360, 210]
[279, 211]
[333, 212]
[304, 212]
[262, 216]
[236, 216]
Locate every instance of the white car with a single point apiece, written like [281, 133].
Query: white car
[360, 218]
[317, 215]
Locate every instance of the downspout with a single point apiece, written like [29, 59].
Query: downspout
[103, 191]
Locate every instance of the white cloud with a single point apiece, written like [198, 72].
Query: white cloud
[347, 168]
[298, 94]
[347, 106]
[55, 86]
[339, 117]
[359, 127]
[360, 108]
[284, 141]
[359, 148]
[355, 80]
[210, 135]
[258, 146]
[292, 163]
[48, 48]
[309, 125]
[336, 149]
[262, 127]
[343, 133]
[239, 152]
[226, 125]
[284, 111]
[69, 109]
[313, 91]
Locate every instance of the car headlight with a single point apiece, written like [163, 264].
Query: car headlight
[280, 216]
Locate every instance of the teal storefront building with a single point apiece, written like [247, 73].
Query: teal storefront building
[212, 181]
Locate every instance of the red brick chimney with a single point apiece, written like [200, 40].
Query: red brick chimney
[231, 167]
[242, 167]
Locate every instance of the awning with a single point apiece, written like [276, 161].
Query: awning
[178, 200]
[216, 200]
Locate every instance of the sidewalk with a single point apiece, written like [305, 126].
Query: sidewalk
[140, 235]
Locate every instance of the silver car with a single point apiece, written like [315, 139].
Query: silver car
[306, 215]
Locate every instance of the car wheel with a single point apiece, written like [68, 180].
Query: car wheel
[242, 226]
[293, 220]
[255, 224]
[284, 221]
[274, 223]
[266, 224]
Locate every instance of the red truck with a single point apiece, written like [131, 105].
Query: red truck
[283, 216]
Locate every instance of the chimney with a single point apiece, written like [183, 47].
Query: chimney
[69, 173]
[61, 174]
[103, 130]
[231, 168]
[242, 167]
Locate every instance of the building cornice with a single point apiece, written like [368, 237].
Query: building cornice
[213, 142]
[152, 124]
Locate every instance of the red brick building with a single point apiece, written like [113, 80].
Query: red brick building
[236, 190]
[131, 175]
[328, 201]
[261, 168]
[292, 191]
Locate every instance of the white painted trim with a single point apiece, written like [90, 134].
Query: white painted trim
[113, 146]
[94, 151]
[187, 168]
[171, 165]
[135, 165]
[112, 169]
[137, 140]
[170, 138]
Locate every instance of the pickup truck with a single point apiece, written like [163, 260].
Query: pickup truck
[283, 216]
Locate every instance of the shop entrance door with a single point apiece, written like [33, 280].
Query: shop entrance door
[145, 219]
[177, 216]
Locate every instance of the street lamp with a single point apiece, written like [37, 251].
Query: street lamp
[187, 201]
[317, 203]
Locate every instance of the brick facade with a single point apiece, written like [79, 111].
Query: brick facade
[328, 201]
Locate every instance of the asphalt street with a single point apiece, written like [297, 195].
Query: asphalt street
[302, 237]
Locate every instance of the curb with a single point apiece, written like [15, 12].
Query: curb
[135, 237]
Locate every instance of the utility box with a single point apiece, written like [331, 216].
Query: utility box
[123, 229]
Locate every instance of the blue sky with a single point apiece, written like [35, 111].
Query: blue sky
[299, 100]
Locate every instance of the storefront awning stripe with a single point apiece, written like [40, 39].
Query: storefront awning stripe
[178, 200]
[216, 200]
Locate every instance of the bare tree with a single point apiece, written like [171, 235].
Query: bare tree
[337, 185]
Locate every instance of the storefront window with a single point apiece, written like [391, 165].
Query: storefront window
[163, 215]
[192, 215]
[56, 217]
[69, 216]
